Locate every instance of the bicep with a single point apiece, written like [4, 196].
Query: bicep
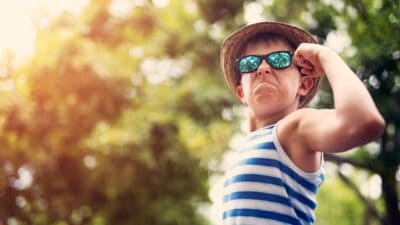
[323, 130]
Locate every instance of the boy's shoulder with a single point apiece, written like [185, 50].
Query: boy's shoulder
[302, 122]
[294, 119]
[291, 133]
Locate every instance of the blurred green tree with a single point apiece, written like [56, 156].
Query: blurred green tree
[114, 120]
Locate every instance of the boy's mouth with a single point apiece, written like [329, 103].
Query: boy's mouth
[265, 88]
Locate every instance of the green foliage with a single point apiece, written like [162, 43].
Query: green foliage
[337, 204]
[96, 139]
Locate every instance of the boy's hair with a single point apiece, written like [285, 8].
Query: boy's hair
[235, 45]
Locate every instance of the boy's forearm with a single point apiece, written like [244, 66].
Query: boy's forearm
[352, 101]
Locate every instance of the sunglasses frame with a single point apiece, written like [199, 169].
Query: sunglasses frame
[262, 57]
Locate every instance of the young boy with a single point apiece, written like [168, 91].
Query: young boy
[275, 69]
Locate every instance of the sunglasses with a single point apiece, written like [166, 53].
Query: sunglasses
[277, 60]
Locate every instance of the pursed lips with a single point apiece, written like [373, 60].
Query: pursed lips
[264, 86]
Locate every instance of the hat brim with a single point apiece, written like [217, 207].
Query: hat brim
[234, 44]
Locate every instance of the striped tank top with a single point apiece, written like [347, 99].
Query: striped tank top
[263, 186]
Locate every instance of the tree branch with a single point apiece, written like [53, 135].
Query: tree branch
[370, 206]
[340, 160]
[361, 9]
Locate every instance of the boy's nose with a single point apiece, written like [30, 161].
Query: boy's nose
[264, 68]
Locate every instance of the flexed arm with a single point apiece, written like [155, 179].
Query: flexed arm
[353, 121]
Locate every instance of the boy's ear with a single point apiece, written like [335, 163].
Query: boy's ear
[239, 93]
[306, 83]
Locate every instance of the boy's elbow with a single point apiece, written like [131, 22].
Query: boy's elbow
[379, 125]
[373, 127]
[364, 129]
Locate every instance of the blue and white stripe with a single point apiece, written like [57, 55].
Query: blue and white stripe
[265, 187]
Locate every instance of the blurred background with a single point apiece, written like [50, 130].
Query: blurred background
[115, 112]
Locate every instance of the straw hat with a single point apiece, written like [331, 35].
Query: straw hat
[234, 44]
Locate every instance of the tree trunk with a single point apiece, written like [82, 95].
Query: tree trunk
[391, 199]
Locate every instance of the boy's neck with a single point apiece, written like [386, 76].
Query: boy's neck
[257, 122]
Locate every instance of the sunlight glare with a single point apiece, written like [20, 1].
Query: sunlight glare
[160, 3]
[18, 31]
[253, 12]
[373, 187]
[160, 70]
[18, 34]
[90, 161]
[190, 7]
[122, 8]
[20, 201]
[24, 180]
[338, 41]
[200, 26]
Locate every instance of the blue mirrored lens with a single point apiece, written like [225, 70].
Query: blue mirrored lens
[279, 60]
[249, 64]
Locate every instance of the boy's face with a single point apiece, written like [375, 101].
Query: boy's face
[268, 91]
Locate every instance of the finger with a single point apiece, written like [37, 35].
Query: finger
[318, 71]
[299, 59]
[297, 54]
[311, 73]
[306, 72]
[301, 52]
[306, 64]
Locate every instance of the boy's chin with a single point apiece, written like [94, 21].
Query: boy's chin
[264, 99]
[264, 90]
